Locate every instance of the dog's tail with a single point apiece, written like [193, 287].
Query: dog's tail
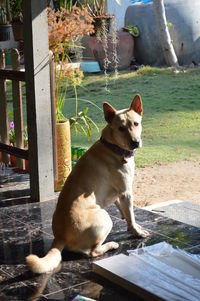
[47, 263]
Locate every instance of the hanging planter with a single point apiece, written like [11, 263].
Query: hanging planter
[63, 150]
[98, 23]
[5, 30]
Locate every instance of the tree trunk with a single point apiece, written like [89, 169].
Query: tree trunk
[165, 39]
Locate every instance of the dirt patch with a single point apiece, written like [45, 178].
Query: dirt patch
[160, 183]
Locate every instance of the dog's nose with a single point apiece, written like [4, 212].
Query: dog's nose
[134, 144]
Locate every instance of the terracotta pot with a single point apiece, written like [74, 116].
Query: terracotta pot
[12, 160]
[17, 30]
[93, 49]
[63, 148]
[26, 165]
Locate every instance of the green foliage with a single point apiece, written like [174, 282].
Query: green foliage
[133, 30]
[16, 10]
[95, 7]
[4, 12]
[84, 123]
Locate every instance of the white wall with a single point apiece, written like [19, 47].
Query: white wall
[118, 11]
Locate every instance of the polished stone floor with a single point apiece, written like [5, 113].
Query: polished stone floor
[26, 228]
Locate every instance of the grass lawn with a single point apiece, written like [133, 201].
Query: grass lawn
[171, 121]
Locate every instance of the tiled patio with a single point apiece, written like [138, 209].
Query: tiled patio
[26, 228]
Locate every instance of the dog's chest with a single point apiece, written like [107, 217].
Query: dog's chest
[126, 170]
[119, 181]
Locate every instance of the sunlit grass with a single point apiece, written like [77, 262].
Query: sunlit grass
[171, 121]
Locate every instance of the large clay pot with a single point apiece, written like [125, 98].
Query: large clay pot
[125, 48]
[63, 149]
[184, 16]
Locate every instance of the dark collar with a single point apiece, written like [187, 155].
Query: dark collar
[117, 150]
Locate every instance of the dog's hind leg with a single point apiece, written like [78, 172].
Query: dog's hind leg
[100, 247]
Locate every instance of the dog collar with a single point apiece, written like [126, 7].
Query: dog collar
[117, 150]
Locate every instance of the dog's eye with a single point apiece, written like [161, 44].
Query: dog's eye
[136, 123]
[121, 128]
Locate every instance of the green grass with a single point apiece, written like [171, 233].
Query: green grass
[171, 121]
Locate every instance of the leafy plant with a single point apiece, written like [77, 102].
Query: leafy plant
[83, 122]
[12, 134]
[97, 7]
[16, 10]
[65, 28]
[4, 12]
[133, 30]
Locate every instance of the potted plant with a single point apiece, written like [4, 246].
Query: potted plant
[5, 26]
[103, 43]
[12, 142]
[65, 27]
[17, 18]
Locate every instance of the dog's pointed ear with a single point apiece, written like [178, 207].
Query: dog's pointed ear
[136, 104]
[109, 112]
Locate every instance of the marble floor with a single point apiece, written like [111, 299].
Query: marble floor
[26, 228]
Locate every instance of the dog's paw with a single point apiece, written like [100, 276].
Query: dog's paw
[138, 231]
[115, 245]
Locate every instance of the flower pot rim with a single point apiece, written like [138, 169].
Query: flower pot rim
[105, 16]
[62, 122]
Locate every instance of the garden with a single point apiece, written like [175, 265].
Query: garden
[171, 121]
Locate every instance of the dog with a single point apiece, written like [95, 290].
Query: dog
[104, 175]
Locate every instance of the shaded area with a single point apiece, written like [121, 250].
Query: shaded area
[26, 228]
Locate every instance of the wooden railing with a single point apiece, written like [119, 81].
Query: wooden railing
[16, 75]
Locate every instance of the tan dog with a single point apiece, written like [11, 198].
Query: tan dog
[104, 175]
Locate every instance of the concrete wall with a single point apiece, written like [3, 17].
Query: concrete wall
[185, 31]
[118, 11]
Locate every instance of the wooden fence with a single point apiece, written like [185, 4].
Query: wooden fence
[16, 75]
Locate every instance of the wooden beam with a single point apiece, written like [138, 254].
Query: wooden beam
[15, 151]
[4, 132]
[12, 75]
[36, 54]
[17, 107]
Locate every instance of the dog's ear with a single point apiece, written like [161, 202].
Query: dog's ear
[136, 104]
[109, 112]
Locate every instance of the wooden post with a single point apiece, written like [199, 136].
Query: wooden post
[39, 121]
[17, 106]
[4, 132]
[53, 111]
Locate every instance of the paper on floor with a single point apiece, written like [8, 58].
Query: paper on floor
[158, 272]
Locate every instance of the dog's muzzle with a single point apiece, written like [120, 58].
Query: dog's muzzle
[135, 144]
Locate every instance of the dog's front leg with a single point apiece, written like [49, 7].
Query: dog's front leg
[126, 204]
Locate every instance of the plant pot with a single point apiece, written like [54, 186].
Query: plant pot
[125, 50]
[26, 165]
[12, 161]
[5, 30]
[17, 28]
[63, 149]
[97, 22]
